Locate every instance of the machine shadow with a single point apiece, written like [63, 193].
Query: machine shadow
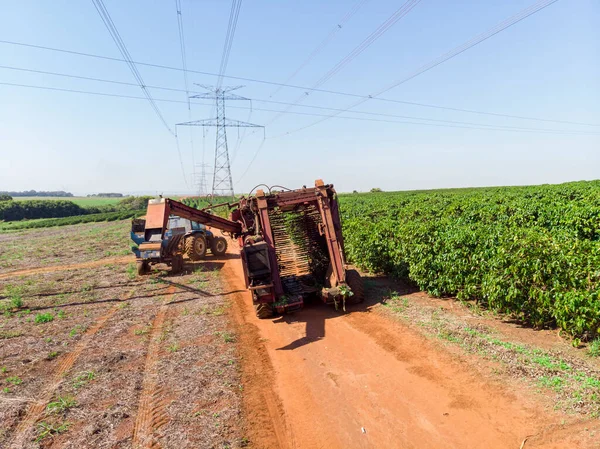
[315, 313]
[167, 278]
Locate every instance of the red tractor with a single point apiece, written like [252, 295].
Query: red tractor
[291, 245]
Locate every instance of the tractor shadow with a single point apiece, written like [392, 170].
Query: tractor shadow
[164, 277]
[315, 313]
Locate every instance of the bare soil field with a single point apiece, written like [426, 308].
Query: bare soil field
[92, 356]
[63, 245]
[99, 358]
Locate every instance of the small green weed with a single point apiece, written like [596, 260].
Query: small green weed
[173, 348]
[76, 330]
[15, 380]
[48, 430]
[594, 348]
[131, 271]
[83, 378]
[52, 355]
[43, 318]
[62, 404]
[396, 302]
[227, 337]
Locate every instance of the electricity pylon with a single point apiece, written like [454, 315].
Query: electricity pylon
[222, 182]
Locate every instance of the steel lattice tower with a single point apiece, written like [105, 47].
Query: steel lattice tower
[222, 182]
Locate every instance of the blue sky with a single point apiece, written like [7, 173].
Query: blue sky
[547, 66]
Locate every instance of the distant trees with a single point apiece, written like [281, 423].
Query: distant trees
[19, 210]
[376, 190]
[5, 198]
[59, 193]
[33, 209]
[106, 195]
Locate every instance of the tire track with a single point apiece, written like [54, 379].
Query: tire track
[153, 401]
[75, 266]
[35, 411]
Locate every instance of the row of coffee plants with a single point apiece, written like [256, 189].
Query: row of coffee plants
[89, 218]
[531, 252]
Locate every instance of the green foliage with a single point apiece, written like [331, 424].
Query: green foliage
[48, 430]
[83, 378]
[20, 210]
[594, 348]
[15, 380]
[375, 190]
[200, 202]
[91, 218]
[133, 203]
[61, 404]
[5, 198]
[48, 208]
[44, 318]
[532, 252]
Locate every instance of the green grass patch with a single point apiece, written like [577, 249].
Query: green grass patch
[43, 318]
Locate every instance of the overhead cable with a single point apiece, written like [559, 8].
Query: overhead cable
[304, 88]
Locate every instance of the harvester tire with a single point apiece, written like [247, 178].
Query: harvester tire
[177, 264]
[195, 247]
[219, 246]
[355, 282]
[263, 310]
[142, 267]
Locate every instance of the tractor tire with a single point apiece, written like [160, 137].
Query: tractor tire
[142, 267]
[263, 310]
[177, 264]
[356, 284]
[195, 247]
[219, 246]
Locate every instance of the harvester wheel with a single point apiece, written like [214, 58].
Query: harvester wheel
[195, 247]
[142, 267]
[263, 310]
[177, 264]
[355, 282]
[219, 246]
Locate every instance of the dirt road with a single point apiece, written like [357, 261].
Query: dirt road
[321, 379]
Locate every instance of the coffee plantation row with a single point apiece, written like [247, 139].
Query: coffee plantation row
[531, 252]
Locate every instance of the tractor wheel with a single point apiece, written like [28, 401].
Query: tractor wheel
[177, 264]
[263, 310]
[219, 246]
[355, 282]
[142, 267]
[195, 247]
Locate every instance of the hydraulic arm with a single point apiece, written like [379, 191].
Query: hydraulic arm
[159, 211]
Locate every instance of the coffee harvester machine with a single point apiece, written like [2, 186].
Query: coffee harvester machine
[290, 241]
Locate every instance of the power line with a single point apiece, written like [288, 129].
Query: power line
[366, 43]
[306, 89]
[233, 18]
[319, 48]
[185, 79]
[480, 126]
[446, 56]
[116, 36]
[65, 75]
